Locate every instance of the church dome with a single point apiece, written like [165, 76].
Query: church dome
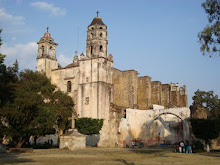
[47, 35]
[97, 20]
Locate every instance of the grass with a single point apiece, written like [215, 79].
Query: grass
[106, 156]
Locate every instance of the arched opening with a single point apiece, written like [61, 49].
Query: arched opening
[42, 50]
[100, 28]
[50, 50]
[69, 86]
[91, 35]
[101, 48]
[91, 49]
[167, 128]
[100, 34]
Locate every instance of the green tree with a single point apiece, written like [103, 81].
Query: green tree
[206, 129]
[8, 76]
[209, 38]
[208, 101]
[36, 108]
[89, 126]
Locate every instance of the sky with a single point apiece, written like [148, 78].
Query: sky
[158, 38]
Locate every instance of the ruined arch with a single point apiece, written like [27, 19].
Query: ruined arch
[171, 130]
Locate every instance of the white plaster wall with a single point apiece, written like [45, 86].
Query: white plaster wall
[146, 125]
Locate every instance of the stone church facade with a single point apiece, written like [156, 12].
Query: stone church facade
[101, 91]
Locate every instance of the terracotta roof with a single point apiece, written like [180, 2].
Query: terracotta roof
[97, 20]
[72, 65]
[47, 35]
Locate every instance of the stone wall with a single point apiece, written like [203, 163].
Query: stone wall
[165, 100]
[154, 126]
[125, 88]
[144, 92]
[60, 77]
[156, 91]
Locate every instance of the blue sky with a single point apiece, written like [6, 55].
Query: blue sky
[157, 38]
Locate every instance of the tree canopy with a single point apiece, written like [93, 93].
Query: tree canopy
[209, 37]
[206, 129]
[36, 108]
[208, 101]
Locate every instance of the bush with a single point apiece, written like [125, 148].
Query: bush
[89, 126]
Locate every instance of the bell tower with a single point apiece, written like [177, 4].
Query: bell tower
[46, 59]
[95, 91]
[96, 43]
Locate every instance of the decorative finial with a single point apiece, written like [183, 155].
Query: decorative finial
[47, 29]
[76, 52]
[97, 13]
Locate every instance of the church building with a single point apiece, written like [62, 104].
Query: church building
[101, 91]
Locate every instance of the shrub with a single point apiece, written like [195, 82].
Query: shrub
[89, 126]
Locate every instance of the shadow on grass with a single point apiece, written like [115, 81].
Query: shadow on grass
[151, 152]
[12, 158]
[124, 161]
[211, 154]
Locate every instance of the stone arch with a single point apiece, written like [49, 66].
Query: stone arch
[176, 130]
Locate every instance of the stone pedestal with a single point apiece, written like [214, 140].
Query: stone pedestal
[72, 140]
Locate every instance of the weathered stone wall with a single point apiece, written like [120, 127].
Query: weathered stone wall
[72, 141]
[156, 91]
[60, 77]
[165, 100]
[144, 92]
[154, 126]
[125, 88]
[183, 97]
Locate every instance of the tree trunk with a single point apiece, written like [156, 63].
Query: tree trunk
[35, 140]
[19, 143]
[207, 147]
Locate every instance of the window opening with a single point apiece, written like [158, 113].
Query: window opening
[91, 49]
[42, 50]
[100, 34]
[87, 101]
[101, 48]
[69, 86]
[124, 114]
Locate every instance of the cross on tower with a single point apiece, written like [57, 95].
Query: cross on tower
[97, 13]
[47, 29]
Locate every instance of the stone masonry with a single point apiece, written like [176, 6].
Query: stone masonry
[101, 91]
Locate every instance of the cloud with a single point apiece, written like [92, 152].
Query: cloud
[26, 55]
[63, 60]
[54, 11]
[6, 18]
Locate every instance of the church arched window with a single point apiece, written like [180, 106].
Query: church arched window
[69, 86]
[91, 49]
[42, 50]
[101, 48]
[91, 35]
[100, 34]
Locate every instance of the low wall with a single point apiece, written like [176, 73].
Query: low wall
[155, 126]
[92, 140]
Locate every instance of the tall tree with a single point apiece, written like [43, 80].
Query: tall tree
[209, 38]
[36, 108]
[206, 129]
[208, 101]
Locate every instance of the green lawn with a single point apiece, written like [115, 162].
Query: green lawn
[117, 156]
